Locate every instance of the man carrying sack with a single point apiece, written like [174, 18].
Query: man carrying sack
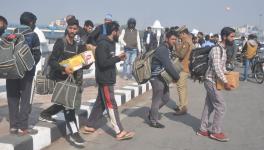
[62, 50]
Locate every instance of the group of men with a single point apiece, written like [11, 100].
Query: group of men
[102, 40]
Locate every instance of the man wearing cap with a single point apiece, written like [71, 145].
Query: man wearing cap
[183, 51]
[101, 29]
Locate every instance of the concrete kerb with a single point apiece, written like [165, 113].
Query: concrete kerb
[49, 133]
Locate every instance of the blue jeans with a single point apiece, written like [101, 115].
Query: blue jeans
[246, 66]
[131, 55]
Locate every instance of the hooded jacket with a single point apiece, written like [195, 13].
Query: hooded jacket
[105, 60]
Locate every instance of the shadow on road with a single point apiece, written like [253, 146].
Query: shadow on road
[187, 119]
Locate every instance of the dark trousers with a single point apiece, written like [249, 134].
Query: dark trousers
[69, 115]
[160, 97]
[105, 100]
[19, 100]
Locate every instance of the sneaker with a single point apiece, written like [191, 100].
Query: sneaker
[46, 118]
[77, 139]
[13, 130]
[22, 132]
[202, 133]
[219, 137]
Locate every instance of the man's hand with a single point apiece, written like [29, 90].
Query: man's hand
[68, 70]
[122, 56]
[228, 86]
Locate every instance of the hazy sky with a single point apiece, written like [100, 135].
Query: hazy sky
[205, 15]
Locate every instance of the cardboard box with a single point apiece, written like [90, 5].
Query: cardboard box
[232, 78]
[78, 61]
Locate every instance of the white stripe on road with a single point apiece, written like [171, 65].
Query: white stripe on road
[136, 91]
[42, 139]
[5, 146]
[127, 92]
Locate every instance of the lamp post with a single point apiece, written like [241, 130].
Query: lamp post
[260, 17]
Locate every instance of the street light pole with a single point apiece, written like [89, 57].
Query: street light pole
[260, 17]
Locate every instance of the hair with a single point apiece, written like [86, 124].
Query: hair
[88, 23]
[226, 31]
[149, 28]
[201, 33]
[207, 37]
[2, 18]
[216, 36]
[186, 31]
[69, 17]
[252, 36]
[171, 33]
[131, 21]
[27, 17]
[72, 22]
[113, 26]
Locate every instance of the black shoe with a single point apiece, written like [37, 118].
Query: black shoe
[46, 118]
[182, 111]
[77, 139]
[22, 132]
[156, 125]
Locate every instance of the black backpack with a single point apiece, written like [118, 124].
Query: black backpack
[199, 62]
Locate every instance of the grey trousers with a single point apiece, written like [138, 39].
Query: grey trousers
[160, 97]
[213, 102]
[19, 98]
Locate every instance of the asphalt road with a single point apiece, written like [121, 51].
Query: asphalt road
[243, 123]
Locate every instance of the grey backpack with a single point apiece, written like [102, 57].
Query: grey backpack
[15, 57]
[141, 68]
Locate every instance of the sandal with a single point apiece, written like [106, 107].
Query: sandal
[126, 135]
[87, 130]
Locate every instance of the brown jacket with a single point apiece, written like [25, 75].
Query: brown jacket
[183, 51]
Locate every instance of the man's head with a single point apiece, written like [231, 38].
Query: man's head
[88, 26]
[108, 18]
[252, 37]
[3, 24]
[171, 38]
[131, 23]
[28, 19]
[183, 32]
[72, 28]
[69, 17]
[149, 29]
[228, 35]
[112, 30]
[216, 37]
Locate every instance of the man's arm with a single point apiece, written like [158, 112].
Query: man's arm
[55, 56]
[36, 48]
[216, 58]
[164, 58]
[121, 38]
[102, 58]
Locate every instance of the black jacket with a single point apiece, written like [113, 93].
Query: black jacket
[105, 60]
[61, 51]
[161, 60]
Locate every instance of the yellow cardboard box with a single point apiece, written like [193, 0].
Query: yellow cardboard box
[78, 61]
[232, 78]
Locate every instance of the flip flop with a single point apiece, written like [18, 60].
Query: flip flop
[126, 136]
[84, 130]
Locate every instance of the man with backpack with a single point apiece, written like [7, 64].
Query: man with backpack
[63, 49]
[183, 50]
[214, 100]
[19, 91]
[160, 89]
[249, 51]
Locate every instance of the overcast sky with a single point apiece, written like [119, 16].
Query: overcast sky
[205, 15]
